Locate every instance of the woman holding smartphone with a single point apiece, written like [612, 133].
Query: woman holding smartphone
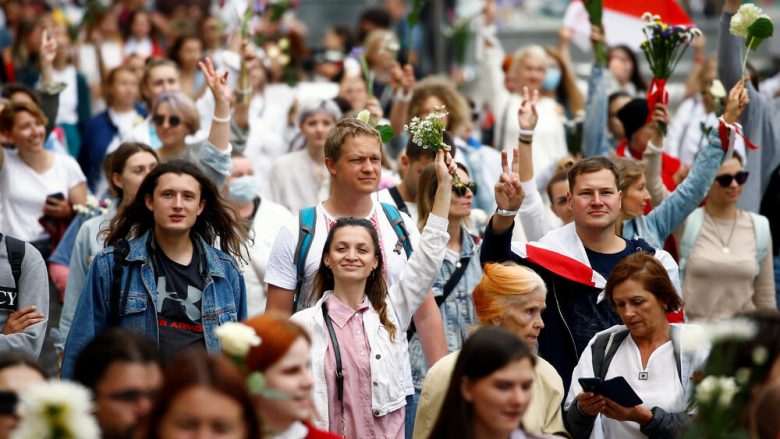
[645, 351]
[34, 182]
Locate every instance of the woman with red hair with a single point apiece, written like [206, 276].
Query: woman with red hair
[284, 358]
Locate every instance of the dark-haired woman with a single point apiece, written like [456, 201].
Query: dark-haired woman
[645, 351]
[358, 326]
[175, 287]
[623, 65]
[205, 397]
[126, 168]
[490, 389]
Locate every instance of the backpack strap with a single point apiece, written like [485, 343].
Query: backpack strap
[395, 218]
[603, 351]
[15, 249]
[398, 199]
[307, 222]
[692, 228]
[121, 250]
[762, 233]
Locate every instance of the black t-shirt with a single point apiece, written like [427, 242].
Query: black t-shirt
[178, 304]
[603, 263]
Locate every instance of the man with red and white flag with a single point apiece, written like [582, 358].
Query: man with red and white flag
[574, 260]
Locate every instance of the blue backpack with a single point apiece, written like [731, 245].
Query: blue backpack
[307, 220]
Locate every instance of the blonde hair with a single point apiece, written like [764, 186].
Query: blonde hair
[438, 87]
[375, 40]
[345, 129]
[503, 286]
[630, 172]
[531, 51]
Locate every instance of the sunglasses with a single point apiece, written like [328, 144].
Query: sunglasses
[461, 189]
[173, 121]
[725, 179]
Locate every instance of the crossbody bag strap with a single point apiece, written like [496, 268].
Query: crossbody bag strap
[337, 353]
[452, 282]
[398, 199]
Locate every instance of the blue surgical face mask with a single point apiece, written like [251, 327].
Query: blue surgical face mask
[242, 189]
[552, 79]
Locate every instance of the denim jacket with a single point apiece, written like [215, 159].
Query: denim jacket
[457, 312]
[594, 129]
[224, 297]
[672, 212]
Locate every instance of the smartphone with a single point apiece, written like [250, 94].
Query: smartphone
[59, 196]
[590, 384]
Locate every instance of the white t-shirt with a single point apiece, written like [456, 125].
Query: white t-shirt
[662, 388]
[281, 266]
[23, 192]
[384, 196]
[297, 181]
[68, 111]
[270, 217]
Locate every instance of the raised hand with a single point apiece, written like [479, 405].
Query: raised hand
[527, 117]
[217, 82]
[48, 49]
[508, 191]
[736, 101]
[20, 320]
[402, 77]
[444, 166]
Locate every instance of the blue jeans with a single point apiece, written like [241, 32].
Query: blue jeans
[411, 412]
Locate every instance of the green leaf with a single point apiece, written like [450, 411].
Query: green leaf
[385, 132]
[761, 28]
[413, 18]
[256, 383]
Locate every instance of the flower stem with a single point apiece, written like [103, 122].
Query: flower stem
[747, 52]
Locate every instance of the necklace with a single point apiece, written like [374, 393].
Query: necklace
[725, 245]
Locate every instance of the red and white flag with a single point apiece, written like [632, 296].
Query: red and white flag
[622, 20]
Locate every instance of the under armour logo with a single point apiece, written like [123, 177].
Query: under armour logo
[193, 296]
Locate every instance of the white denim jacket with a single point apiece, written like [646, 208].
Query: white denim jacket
[389, 360]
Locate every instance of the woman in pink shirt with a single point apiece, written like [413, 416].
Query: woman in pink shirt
[357, 327]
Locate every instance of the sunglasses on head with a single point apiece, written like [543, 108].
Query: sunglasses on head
[461, 189]
[725, 179]
[173, 121]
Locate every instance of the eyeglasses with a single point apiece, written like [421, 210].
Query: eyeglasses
[173, 121]
[460, 190]
[725, 179]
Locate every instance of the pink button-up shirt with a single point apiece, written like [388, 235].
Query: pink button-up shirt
[359, 421]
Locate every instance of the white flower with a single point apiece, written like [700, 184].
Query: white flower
[57, 406]
[717, 90]
[697, 336]
[760, 354]
[745, 16]
[364, 116]
[237, 338]
[728, 388]
[706, 389]
[284, 43]
[742, 375]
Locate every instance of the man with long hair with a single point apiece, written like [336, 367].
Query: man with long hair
[172, 284]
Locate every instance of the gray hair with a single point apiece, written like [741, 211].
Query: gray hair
[182, 104]
[312, 107]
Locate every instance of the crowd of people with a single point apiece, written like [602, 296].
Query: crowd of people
[205, 224]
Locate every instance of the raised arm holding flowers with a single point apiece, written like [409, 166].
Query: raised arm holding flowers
[664, 47]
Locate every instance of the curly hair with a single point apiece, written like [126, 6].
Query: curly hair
[218, 219]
